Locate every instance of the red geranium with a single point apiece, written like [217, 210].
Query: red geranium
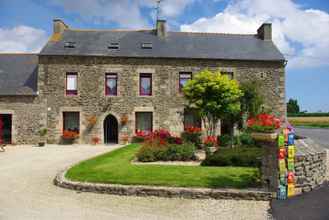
[264, 121]
[211, 141]
[192, 129]
[70, 134]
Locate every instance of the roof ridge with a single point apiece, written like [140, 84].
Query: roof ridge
[18, 53]
[109, 30]
[141, 30]
[212, 33]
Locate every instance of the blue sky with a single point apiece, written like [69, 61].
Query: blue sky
[300, 29]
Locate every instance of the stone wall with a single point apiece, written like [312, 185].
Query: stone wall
[310, 165]
[29, 114]
[166, 103]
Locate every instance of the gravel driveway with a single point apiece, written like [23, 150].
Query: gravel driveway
[27, 192]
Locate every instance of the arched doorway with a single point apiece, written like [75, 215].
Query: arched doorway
[110, 130]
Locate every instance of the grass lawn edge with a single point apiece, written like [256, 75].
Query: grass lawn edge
[104, 170]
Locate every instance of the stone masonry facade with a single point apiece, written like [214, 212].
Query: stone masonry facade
[88, 55]
[166, 103]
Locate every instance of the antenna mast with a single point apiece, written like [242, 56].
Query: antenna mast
[158, 9]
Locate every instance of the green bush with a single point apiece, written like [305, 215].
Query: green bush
[225, 140]
[247, 140]
[238, 156]
[181, 152]
[244, 139]
[192, 137]
[137, 139]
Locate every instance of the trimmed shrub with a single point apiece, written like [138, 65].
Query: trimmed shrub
[191, 136]
[225, 140]
[137, 139]
[181, 152]
[247, 140]
[239, 156]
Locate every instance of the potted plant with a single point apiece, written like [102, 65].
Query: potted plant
[124, 139]
[69, 136]
[95, 140]
[263, 127]
[42, 132]
[92, 120]
[124, 119]
[210, 144]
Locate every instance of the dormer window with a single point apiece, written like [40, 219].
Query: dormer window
[114, 46]
[69, 44]
[147, 46]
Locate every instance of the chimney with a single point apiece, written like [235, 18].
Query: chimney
[59, 26]
[161, 29]
[264, 32]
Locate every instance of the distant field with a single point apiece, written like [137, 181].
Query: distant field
[319, 122]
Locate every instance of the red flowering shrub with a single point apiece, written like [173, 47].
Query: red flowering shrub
[210, 141]
[140, 136]
[192, 135]
[263, 123]
[161, 145]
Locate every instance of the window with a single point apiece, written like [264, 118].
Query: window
[229, 74]
[111, 84]
[191, 119]
[147, 45]
[183, 78]
[114, 46]
[71, 121]
[145, 84]
[71, 84]
[144, 121]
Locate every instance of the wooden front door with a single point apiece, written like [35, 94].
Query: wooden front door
[5, 128]
[110, 130]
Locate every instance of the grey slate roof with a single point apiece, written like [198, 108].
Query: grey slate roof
[18, 74]
[174, 45]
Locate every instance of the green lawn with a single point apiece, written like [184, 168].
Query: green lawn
[115, 167]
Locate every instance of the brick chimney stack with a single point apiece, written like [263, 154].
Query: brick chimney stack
[264, 32]
[59, 26]
[161, 28]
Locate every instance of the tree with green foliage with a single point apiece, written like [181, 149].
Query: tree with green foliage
[292, 106]
[252, 100]
[214, 95]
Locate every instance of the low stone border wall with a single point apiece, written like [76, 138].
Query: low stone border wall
[134, 190]
[310, 165]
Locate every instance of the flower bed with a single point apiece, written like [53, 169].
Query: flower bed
[160, 145]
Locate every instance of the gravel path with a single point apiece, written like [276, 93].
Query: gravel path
[27, 192]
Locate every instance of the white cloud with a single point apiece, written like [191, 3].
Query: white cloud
[301, 34]
[22, 39]
[173, 8]
[126, 13]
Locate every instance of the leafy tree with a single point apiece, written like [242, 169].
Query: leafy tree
[252, 100]
[292, 106]
[214, 95]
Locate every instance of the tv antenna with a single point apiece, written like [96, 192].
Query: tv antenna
[157, 8]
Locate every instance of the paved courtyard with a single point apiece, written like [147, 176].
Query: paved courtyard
[27, 192]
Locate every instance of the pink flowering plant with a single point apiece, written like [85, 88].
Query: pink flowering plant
[162, 145]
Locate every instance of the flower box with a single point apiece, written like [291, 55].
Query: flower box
[261, 136]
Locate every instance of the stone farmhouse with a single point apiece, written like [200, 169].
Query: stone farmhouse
[110, 84]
